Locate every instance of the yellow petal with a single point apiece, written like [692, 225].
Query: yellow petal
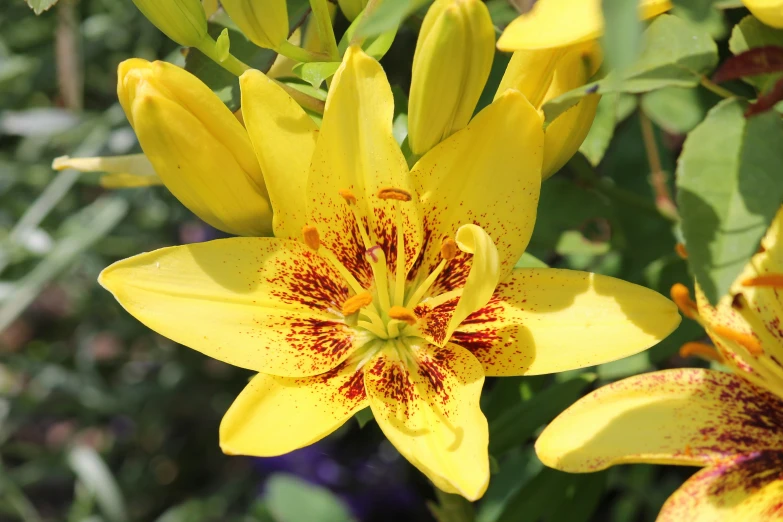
[196, 145]
[505, 139]
[264, 22]
[768, 11]
[133, 170]
[557, 23]
[275, 415]
[545, 320]
[531, 73]
[265, 304]
[744, 488]
[356, 151]
[283, 137]
[429, 409]
[566, 133]
[686, 416]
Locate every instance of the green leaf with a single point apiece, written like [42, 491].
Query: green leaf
[541, 495]
[612, 109]
[96, 476]
[728, 178]
[674, 53]
[315, 73]
[521, 420]
[290, 499]
[749, 33]
[388, 16]
[582, 498]
[622, 36]
[39, 6]
[530, 261]
[364, 416]
[676, 109]
[375, 45]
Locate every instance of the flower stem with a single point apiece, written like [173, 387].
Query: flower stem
[717, 89]
[663, 197]
[300, 55]
[324, 23]
[232, 64]
[306, 101]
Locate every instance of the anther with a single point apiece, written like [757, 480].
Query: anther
[394, 193]
[356, 303]
[747, 341]
[348, 196]
[403, 314]
[682, 298]
[311, 237]
[771, 280]
[681, 251]
[701, 350]
[448, 249]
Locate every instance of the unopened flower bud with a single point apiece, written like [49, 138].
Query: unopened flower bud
[183, 21]
[453, 58]
[264, 22]
[352, 8]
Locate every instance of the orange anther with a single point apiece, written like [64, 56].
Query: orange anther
[682, 298]
[680, 249]
[771, 280]
[311, 237]
[356, 303]
[348, 196]
[403, 314]
[448, 249]
[748, 341]
[702, 350]
[394, 193]
[687, 451]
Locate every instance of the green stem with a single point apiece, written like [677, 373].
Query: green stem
[232, 64]
[717, 89]
[306, 101]
[325, 30]
[452, 508]
[301, 55]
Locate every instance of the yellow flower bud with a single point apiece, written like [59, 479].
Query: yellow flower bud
[768, 11]
[451, 64]
[352, 8]
[183, 21]
[198, 148]
[264, 22]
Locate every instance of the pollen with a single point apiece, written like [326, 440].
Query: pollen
[771, 280]
[356, 303]
[311, 237]
[394, 193]
[682, 298]
[403, 314]
[348, 196]
[448, 249]
[681, 251]
[701, 350]
[747, 341]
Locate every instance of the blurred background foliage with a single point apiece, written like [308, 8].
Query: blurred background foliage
[103, 420]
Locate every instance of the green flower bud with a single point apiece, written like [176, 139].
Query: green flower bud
[183, 21]
[352, 8]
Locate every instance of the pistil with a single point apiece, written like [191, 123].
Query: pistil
[448, 251]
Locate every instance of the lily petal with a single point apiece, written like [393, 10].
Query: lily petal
[356, 151]
[687, 416]
[283, 137]
[557, 23]
[545, 320]
[265, 304]
[429, 409]
[275, 415]
[745, 487]
[506, 141]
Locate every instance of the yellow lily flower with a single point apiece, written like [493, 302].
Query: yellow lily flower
[195, 145]
[385, 287]
[768, 11]
[728, 423]
[558, 23]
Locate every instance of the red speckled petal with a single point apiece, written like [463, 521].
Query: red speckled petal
[356, 150]
[744, 488]
[275, 415]
[429, 409]
[265, 304]
[488, 174]
[687, 416]
[546, 320]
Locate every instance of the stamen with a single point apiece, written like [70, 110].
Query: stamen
[311, 237]
[394, 193]
[377, 259]
[771, 280]
[403, 314]
[681, 251]
[348, 196]
[701, 350]
[356, 303]
[682, 298]
[448, 249]
[747, 341]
